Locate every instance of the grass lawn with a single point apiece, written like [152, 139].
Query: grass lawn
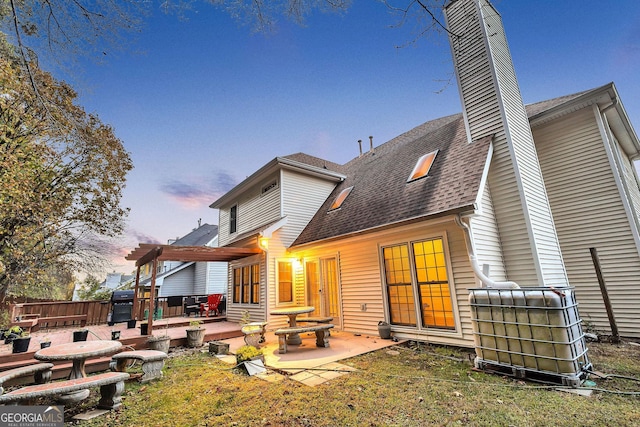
[412, 385]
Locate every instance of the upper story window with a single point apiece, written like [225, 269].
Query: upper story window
[423, 166]
[340, 199]
[233, 219]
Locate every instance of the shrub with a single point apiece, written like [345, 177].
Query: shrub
[247, 352]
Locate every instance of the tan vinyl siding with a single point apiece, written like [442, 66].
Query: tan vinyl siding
[258, 312]
[254, 210]
[588, 212]
[361, 279]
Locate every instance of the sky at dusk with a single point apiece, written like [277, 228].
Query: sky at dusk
[203, 102]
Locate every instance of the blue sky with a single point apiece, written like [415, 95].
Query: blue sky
[203, 102]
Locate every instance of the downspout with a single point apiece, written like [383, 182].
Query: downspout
[486, 281]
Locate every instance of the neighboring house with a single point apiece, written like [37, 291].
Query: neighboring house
[402, 232]
[191, 278]
[118, 280]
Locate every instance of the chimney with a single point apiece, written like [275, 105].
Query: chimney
[492, 105]
[360, 145]
[371, 143]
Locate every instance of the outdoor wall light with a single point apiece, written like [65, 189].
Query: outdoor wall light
[263, 242]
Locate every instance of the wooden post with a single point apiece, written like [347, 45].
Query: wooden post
[152, 255]
[134, 309]
[605, 296]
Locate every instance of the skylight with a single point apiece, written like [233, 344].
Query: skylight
[422, 166]
[340, 199]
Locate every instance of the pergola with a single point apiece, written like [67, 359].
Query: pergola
[148, 252]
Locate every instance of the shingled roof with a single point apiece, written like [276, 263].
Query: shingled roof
[381, 195]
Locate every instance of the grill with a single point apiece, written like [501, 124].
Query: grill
[121, 307]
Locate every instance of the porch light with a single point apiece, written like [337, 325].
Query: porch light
[263, 242]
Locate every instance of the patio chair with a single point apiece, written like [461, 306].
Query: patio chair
[190, 306]
[212, 304]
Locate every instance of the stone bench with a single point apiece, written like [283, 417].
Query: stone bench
[111, 388]
[41, 373]
[152, 362]
[311, 319]
[321, 331]
[253, 329]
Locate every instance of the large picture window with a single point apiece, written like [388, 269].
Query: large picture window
[285, 282]
[417, 284]
[246, 284]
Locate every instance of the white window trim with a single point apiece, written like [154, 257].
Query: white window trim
[277, 283]
[419, 329]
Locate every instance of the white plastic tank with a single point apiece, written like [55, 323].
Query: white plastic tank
[533, 333]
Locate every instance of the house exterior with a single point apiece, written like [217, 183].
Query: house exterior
[496, 196]
[191, 278]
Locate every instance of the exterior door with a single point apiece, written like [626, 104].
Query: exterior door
[322, 288]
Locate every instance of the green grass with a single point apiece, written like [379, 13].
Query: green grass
[408, 386]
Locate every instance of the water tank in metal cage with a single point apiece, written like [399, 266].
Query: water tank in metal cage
[532, 333]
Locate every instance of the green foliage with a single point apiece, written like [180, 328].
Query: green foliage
[16, 331]
[247, 352]
[195, 324]
[63, 172]
[245, 318]
[91, 290]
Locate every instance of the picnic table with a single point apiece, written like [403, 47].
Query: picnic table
[78, 352]
[292, 313]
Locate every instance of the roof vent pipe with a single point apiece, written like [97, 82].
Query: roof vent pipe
[360, 145]
[370, 143]
[486, 281]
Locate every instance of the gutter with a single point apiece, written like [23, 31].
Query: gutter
[486, 281]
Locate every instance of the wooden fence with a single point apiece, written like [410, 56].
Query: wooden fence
[96, 311]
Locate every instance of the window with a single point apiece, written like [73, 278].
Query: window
[433, 284]
[246, 284]
[255, 284]
[233, 219]
[285, 281]
[237, 279]
[340, 199]
[419, 278]
[423, 166]
[399, 286]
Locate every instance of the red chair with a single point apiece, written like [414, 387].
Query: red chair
[213, 301]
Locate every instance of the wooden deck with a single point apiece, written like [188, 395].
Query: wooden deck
[217, 328]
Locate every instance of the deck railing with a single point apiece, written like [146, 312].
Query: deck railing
[96, 311]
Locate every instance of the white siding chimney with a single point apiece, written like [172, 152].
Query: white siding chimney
[492, 105]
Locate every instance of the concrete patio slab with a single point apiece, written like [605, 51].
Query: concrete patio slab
[342, 345]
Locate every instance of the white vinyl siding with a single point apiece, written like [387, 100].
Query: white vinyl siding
[254, 210]
[200, 279]
[179, 283]
[588, 212]
[531, 248]
[302, 196]
[217, 274]
[486, 239]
